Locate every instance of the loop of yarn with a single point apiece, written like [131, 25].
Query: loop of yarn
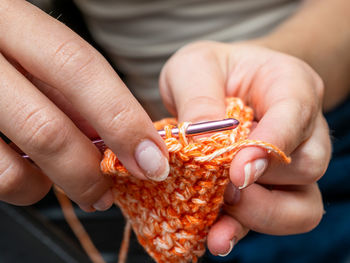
[171, 219]
[182, 132]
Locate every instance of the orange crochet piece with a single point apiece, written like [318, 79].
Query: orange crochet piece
[171, 219]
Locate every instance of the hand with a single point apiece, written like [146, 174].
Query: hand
[56, 91]
[286, 95]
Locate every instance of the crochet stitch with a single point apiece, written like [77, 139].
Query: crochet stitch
[171, 219]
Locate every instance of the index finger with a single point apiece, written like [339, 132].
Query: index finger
[286, 105]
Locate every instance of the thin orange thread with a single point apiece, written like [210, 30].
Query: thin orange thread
[123, 251]
[171, 219]
[77, 227]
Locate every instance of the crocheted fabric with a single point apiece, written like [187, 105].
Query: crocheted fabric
[171, 219]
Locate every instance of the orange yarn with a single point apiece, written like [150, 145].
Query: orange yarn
[77, 227]
[171, 219]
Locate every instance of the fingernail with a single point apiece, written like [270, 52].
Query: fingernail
[105, 202]
[151, 161]
[231, 195]
[260, 167]
[232, 244]
[255, 169]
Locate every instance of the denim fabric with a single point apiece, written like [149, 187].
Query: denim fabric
[330, 241]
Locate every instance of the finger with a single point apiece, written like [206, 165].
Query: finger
[58, 99]
[226, 231]
[286, 101]
[282, 126]
[310, 160]
[21, 183]
[56, 96]
[224, 235]
[35, 125]
[192, 84]
[65, 61]
[280, 211]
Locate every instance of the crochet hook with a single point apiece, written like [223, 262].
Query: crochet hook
[192, 130]
[205, 127]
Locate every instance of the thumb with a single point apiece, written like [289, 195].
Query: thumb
[192, 86]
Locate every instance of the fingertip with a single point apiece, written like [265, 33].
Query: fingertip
[105, 202]
[247, 166]
[224, 235]
[152, 161]
[229, 250]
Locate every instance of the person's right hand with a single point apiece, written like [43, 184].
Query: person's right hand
[56, 91]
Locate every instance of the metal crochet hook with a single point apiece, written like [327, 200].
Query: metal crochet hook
[192, 130]
[205, 127]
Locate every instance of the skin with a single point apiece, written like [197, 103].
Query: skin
[55, 88]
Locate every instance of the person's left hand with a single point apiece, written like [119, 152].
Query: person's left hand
[286, 95]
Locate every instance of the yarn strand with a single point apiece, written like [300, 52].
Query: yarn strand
[76, 226]
[123, 251]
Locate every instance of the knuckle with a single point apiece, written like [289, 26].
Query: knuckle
[305, 115]
[202, 100]
[87, 192]
[313, 173]
[315, 84]
[191, 56]
[72, 57]
[43, 134]
[315, 80]
[47, 137]
[262, 221]
[300, 113]
[311, 218]
[197, 51]
[125, 114]
[314, 162]
[202, 107]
